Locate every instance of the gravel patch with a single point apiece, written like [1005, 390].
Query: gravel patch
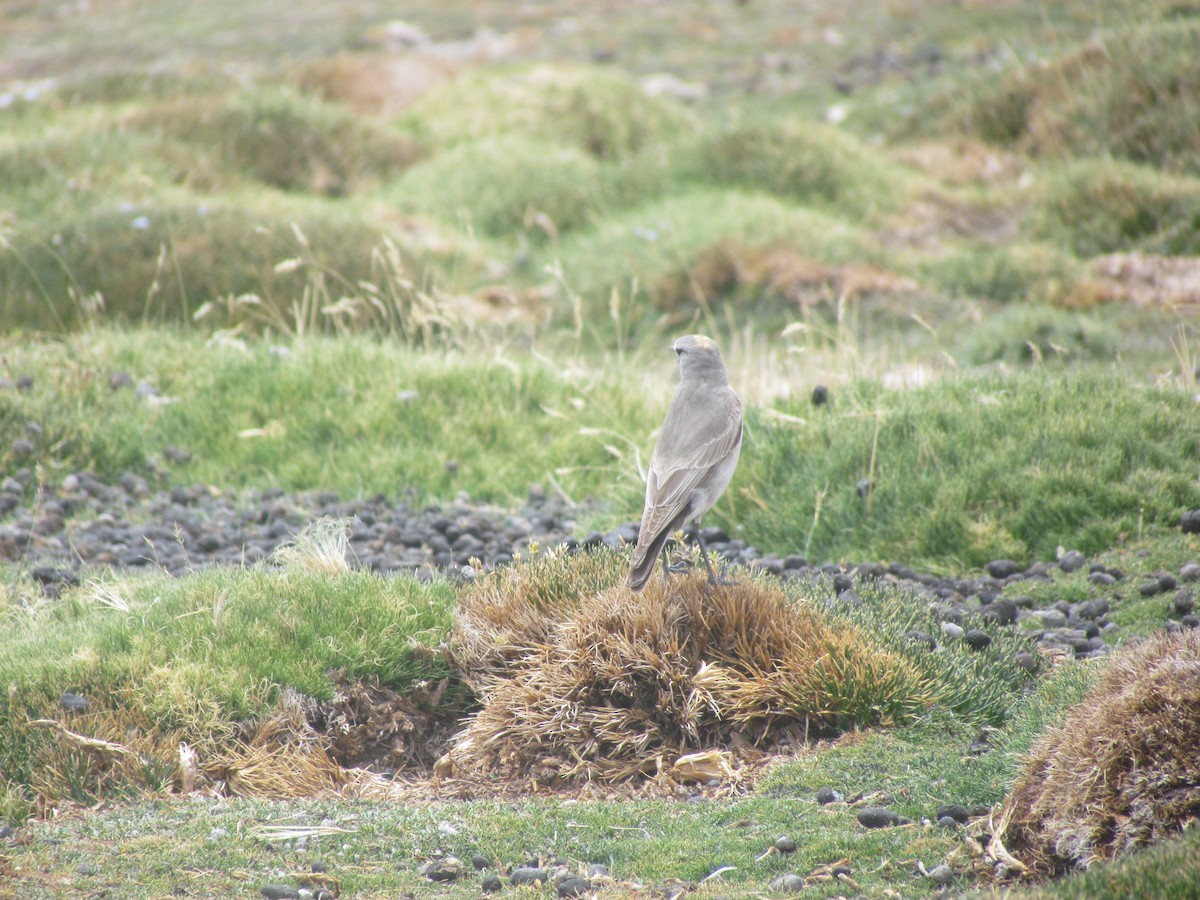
[61, 532]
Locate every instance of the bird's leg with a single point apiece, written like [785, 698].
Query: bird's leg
[666, 557]
[712, 576]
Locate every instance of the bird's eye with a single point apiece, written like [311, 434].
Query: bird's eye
[678, 351]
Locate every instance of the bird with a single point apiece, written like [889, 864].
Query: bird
[694, 459]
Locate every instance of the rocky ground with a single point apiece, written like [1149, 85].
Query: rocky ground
[60, 532]
[63, 532]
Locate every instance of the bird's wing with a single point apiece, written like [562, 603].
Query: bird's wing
[678, 467]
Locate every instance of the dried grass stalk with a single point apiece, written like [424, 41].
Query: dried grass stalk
[284, 760]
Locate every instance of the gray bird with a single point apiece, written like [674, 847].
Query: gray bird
[695, 457]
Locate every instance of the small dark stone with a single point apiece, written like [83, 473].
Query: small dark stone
[24, 382]
[22, 447]
[1190, 523]
[118, 380]
[921, 637]
[955, 811]
[1002, 568]
[479, 861]
[790, 883]
[1190, 621]
[785, 845]
[1053, 618]
[54, 575]
[863, 487]
[828, 795]
[491, 884]
[979, 747]
[977, 639]
[5, 832]
[1150, 588]
[1185, 602]
[73, 703]
[947, 822]
[529, 875]
[1072, 561]
[279, 892]
[318, 867]
[1190, 571]
[1092, 609]
[1001, 611]
[445, 868]
[1167, 581]
[1101, 578]
[820, 395]
[1026, 661]
[574, 886]
[877, 817]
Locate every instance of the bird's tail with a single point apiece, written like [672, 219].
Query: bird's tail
[641, 567]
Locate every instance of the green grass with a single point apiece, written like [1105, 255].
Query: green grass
[599, 111]
[324, 412]
[196, 656]
[647, 841]
[660, 240]
[504, 185]
[1111, 206]
[965, 470]
[972, 469]
[1128, 91]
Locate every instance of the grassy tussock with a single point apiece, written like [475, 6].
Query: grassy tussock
[627, 684]
[1027, 334]
[281, 139]
[504, 185]
[190, 660]
[1129, 92]
[508, 611]
[813, 164]
[599, 111]
[978, 687]
[161, 264]
[1166, 871]
[659, 242]
[1110, 206]
[1018, 273]
[1121, 772]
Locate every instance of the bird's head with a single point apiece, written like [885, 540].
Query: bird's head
[699, 356]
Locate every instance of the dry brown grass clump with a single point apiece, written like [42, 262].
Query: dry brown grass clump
[1121, 773]
[609, 685]
[516, 608]
[775, 276]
